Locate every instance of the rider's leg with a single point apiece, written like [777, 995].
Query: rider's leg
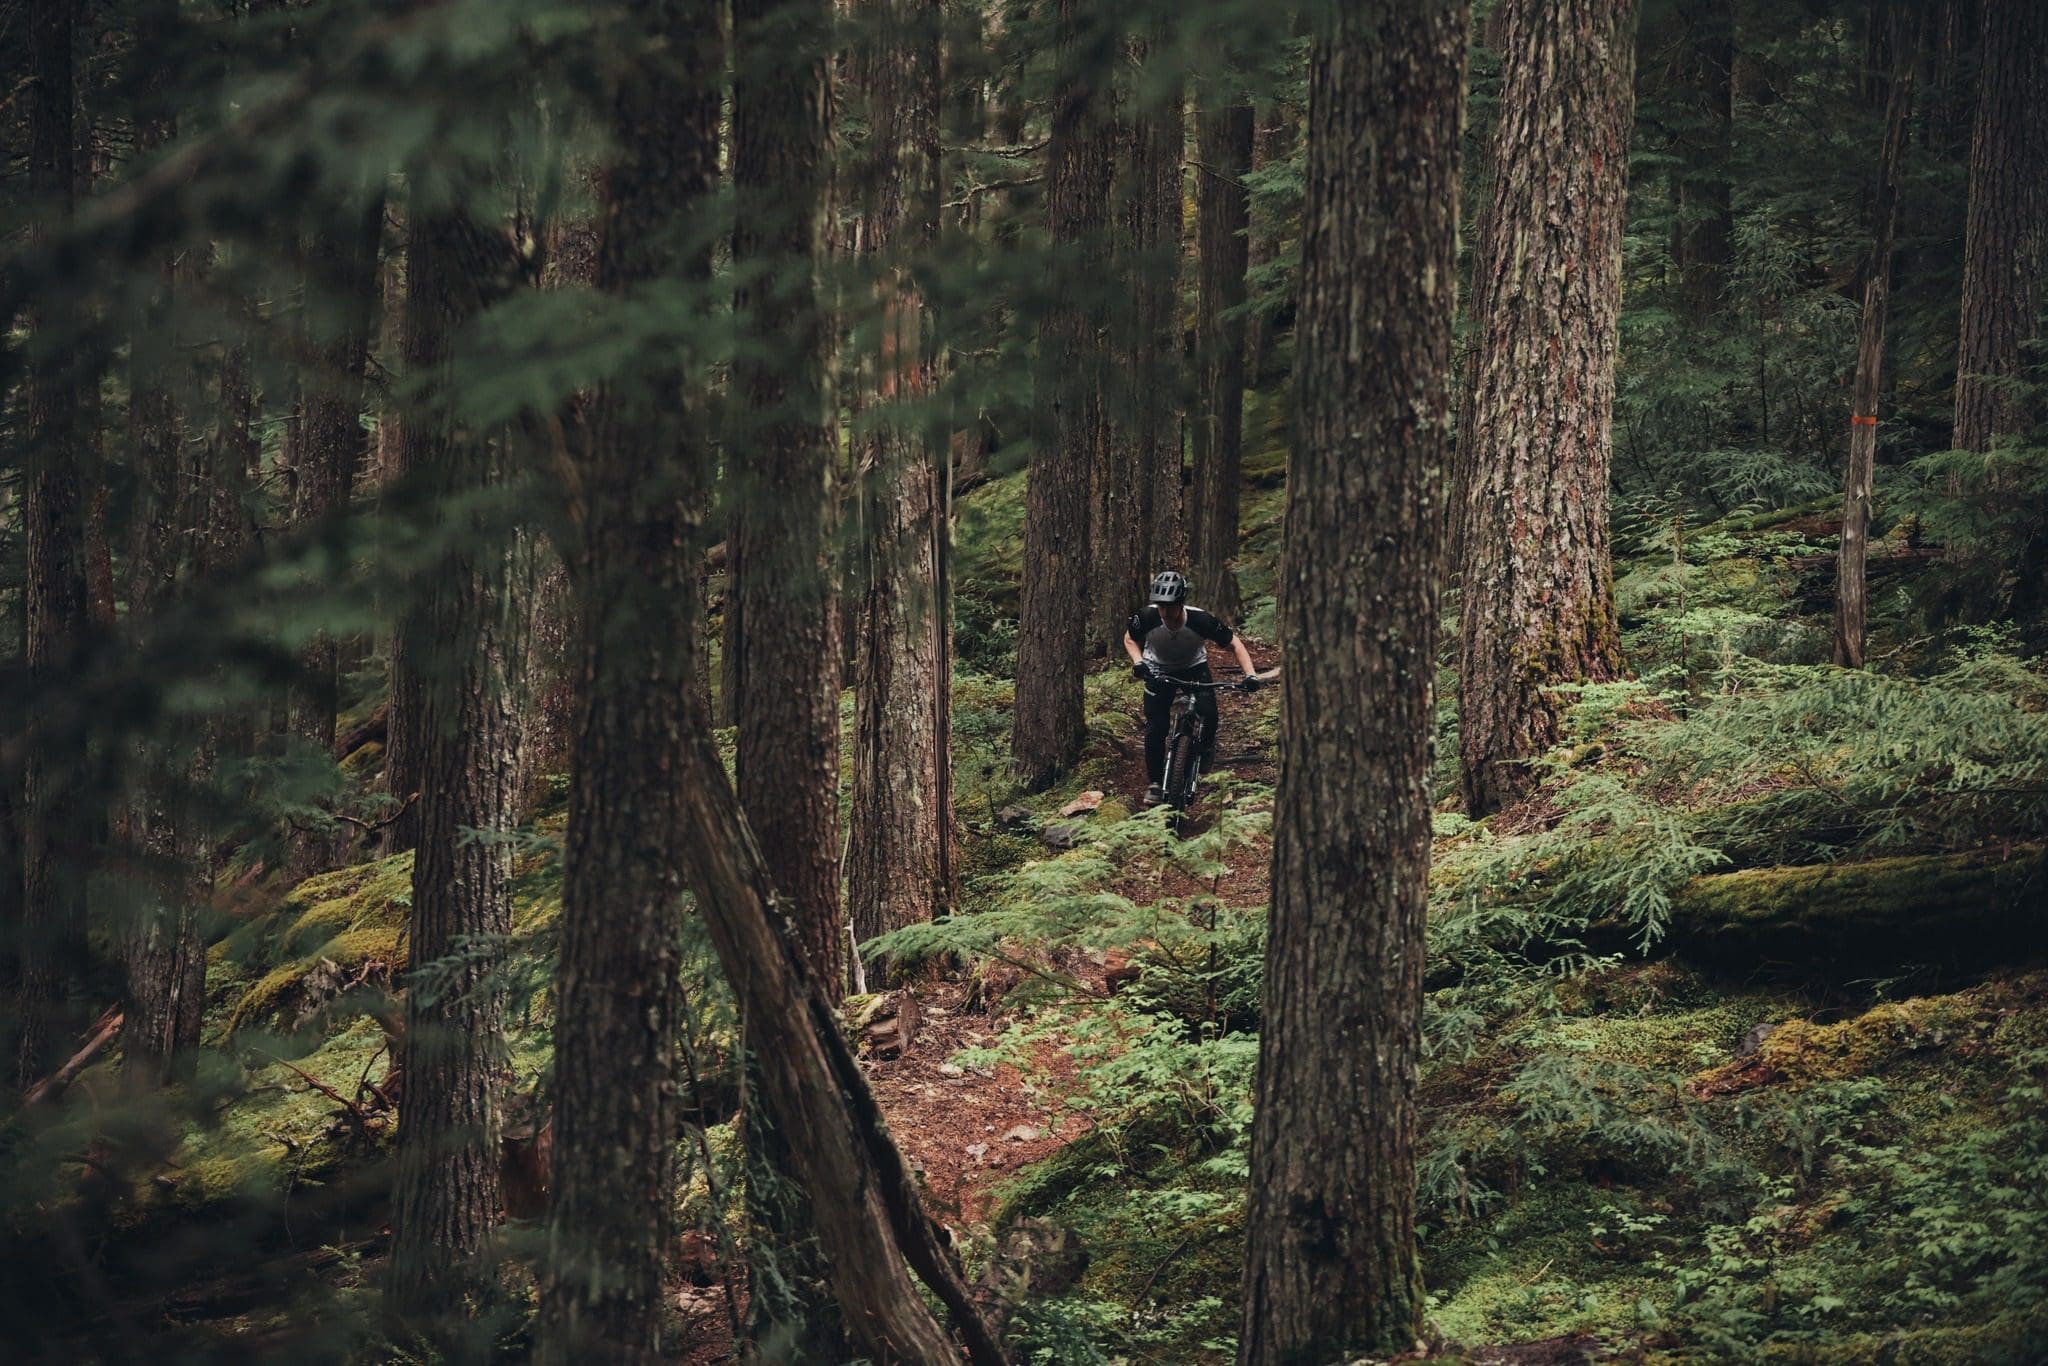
[1158, 716]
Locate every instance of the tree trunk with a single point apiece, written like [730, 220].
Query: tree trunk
[1331, 1270]
[1851, 583]
[419, 350]
[1273, 143]
[1537, 582]
[1224, 155]
[620, 991]
[2005, 249]
[788, 708]
[163, 960]
[1137, 479]
[1705, 233]
[1146, 417]
[340, 303]
[471, 634]
[1048, 724]
[52, 941]
[900, 849]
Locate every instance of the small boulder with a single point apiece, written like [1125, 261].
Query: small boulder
[1060, 835]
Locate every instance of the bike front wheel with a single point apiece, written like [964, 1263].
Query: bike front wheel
[1181, 763]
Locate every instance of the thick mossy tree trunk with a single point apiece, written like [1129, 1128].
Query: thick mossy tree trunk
[472, 631]
[1048, 723]
[1852, 584]
[1222, 221]
[1537, 583]
[1331, 1270]
[901, 865]
[2005, 248]
[619, 990]
[51, 946]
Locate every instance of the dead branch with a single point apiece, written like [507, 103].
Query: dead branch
[54, 1085]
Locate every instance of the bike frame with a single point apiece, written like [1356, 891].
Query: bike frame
[1187, 722]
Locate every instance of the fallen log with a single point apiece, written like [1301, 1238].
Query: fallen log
[865, 1203]
[102, 1033]
[1983, 905]
[1817, 572]
[374, 728]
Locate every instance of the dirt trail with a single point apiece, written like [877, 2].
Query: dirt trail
[963, 1130]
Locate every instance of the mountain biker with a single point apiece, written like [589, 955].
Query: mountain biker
[1169, 640]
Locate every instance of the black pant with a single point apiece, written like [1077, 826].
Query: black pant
[1159, 716]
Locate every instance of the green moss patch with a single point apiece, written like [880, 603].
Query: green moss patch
[353, 918]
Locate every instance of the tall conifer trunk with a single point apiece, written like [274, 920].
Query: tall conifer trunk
[2005, 249]
[780, 476]
[1331, 1270]
[782, 462]
[1224, 156]
[1704, 240]
[1852, 589]
[471, 635]
[164, 962]
[340, 301]
[900, 848]
[1532, 460]
[611, 1221]
[52, 943]
[1048, 722]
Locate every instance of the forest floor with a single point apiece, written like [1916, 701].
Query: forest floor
[966, 1130]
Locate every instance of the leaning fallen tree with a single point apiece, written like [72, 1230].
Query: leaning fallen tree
[862, 1196]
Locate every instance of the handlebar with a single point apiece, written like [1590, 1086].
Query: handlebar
[1154, 674]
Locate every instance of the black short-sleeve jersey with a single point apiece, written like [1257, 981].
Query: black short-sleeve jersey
[1178, 651]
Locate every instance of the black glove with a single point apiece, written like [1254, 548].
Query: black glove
[1141, 671]
[1252, 683]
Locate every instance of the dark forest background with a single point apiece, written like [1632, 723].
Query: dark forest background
[567, 781]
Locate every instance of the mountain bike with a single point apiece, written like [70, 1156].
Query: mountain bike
[1184, 737]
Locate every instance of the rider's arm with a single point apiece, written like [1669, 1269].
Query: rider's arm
[1244, 656]
[1133, 649]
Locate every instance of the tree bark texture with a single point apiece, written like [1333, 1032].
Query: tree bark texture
[619, 987]
[1533, 445]
[1138, 531]
[781, 466]
[1852, 585]
[470, 635]
[781, 478]
[1331, 1270]
[1223, 220]
[901, 865]
[1048, 723]
[52, 931]
[2005, 248]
